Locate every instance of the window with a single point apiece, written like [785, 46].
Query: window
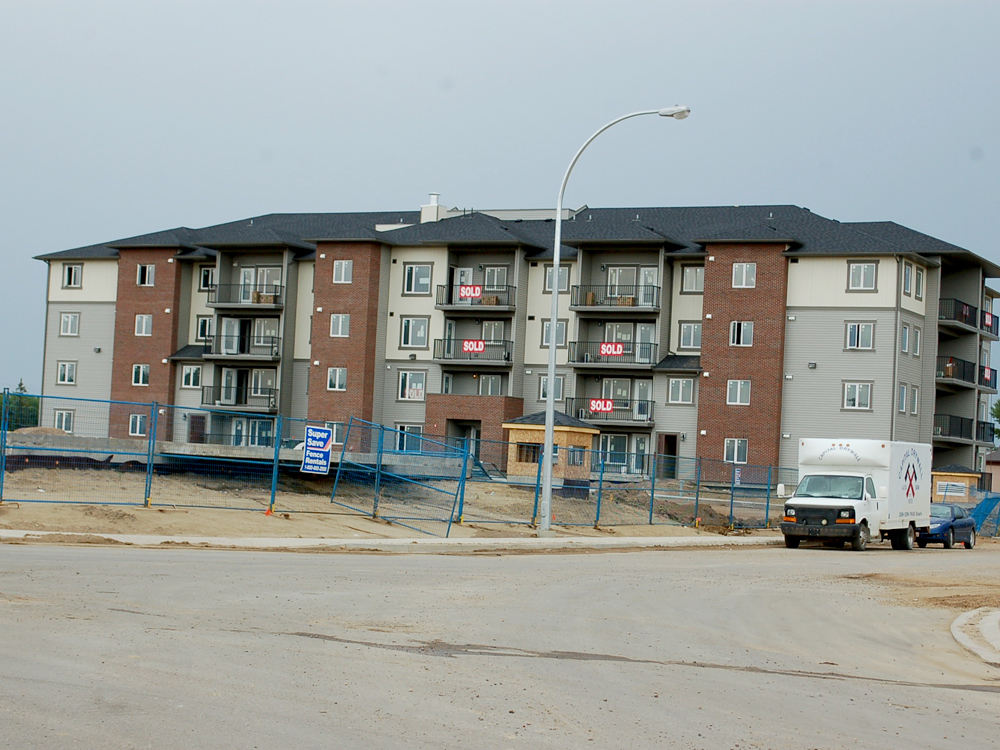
[690, 336]
[858, 396]
[411, 385]
[66, 373]
[343, 271]
[576, 455]
[336, 379]
[860, 335]
[914, 399]
[206, 280]
[137, 425]
[145, 275]
[907, 279]
[143, 325]
[560, 333]
[529, 453]
[736, 451]
[191, 376]
[902, 397]
[861, 277]
[543, 388]
[413, 332]
[692, 280]
[493, 330]
[64, 421]
[339, 431]
[744, 275]
[69, 324]
[140, 374]
[340, 325]
[741, 333]
[738, 393]
[72, 276]
[680, 391]
[490, 385]
[496, 277]
[915, 342]
[204, 331]
[446, 384]
[918, 284]
[563, 278]
[904, 339]
[409, 437]
[416, 279]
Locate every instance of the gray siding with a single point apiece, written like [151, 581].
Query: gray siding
[300, 389]
[381, 331]
[675, 418]
[395, 411]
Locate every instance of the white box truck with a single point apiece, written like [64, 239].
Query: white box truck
[858, 490]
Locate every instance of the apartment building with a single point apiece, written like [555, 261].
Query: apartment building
[718, 332]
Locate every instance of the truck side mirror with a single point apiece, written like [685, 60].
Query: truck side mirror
[883, 492]
[781, 490]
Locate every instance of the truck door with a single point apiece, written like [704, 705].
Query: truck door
[876, 506]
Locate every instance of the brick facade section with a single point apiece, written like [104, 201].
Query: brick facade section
[358, 352]
[762, 364]
[490, 411]
[152, 350]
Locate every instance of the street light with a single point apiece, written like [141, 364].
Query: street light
[678, 113]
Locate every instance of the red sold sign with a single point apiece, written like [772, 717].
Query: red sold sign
[470, 291]
[612, 349]
[601, 405]
[473, 346]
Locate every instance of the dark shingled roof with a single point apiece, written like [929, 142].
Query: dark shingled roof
[956, 469]
[679, 363]
[191, 351]
[561, 420]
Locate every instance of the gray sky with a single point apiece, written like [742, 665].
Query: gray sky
[125, 117]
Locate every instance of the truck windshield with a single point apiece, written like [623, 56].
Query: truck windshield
[843, 488]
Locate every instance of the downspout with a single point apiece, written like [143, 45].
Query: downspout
[894, 390]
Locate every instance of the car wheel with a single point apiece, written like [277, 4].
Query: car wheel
[921, 543]
[792, 542]
[860, 541]
[972, 540]
[949, 541]
[906, 538]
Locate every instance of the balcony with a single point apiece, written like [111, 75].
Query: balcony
[257, 296]
[955, 371]
[474, 351]
[953, 313]
[611, 410]
[616, 298]
[476, 298]
[984, 432]
[611, 354]
[240, 397]
[987, 377]
[949, 426]
[244, 347]
[989, 324]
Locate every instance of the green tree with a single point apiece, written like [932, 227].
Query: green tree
[22, 409]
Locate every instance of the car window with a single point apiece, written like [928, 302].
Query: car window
[940, 511]
[959, 513]
[870, 487]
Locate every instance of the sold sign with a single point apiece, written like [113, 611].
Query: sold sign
[612, 349]
[473, 346]
[470, 291]
[602, 405]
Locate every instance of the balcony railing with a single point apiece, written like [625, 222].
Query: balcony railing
[246, 294]
[610, 410]
[244, 346]
[239, 396]
[476, 295]
[616, 295]
[953, 368]
[984, 432]
[948, 425]
[473, 350]
[958, 311]
[987, 377]
[612, 352]
[989, 322]
[239, 439]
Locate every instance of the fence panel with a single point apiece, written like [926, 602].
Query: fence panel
[675, 490]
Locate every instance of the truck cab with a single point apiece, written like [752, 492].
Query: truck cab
[834, 508]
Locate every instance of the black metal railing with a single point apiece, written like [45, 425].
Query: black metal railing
[610, 410]
[612, 352]
[989, 322]
[984, 432]
[987, 377]
[246, 294]
[948, 425]
[473, 350]
[615, 295]
[953, 368]
[236, 439]
[958, 311]
[477, 295]
[244, 346]
[245, 396]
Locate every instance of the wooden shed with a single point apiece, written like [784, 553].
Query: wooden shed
[573, 439]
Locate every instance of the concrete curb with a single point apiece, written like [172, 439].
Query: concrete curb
[979, 632]
[420, 545]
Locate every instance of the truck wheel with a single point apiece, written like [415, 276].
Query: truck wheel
[907, 537]
[972, 540]
[860, 541]
[792, 542]
[949, 541]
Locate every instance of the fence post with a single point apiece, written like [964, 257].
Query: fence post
[732, 491]
[277, 457]
[378, 470]
[151, 450]
[600, 493]
[4, 421]
[461, 490]
[697, 489]
[652, 488]
[538, 485]
[767, 504]
[343, 454]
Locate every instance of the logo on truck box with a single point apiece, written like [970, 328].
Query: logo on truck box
[911, 475]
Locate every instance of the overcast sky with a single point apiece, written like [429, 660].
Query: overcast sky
[121, 118]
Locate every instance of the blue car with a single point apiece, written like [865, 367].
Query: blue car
[949, 524]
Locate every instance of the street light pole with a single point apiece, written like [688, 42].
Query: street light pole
[545, 510]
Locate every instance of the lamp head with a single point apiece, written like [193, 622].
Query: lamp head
[678, 113]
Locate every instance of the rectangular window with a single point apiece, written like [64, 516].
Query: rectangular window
[915, 342]
[191, 376]
[145, 275]
[692, 279]
[446, 384]
[907, 279]
[64, 421]
[563, 278]
[741, 333]
[860, 335]
[143, 325]
[140, 374]
[914, 399]
[137, 425]
[336, 379]
[543, 388]
[413, 332]
[340, 325]
[409, 437]
[738, 393]
[744, 275]
[918, 284]
[861, 277]
[416, 279]
[496, 278]
[206, 280]
[411, 385]
[69, 324]
[736, 451]
[339, 431]
[576, 455]
[490, 385]
[690, 336]
[528, 453]
[858, 396]
[66, 373]
[680, 391]
[204, 332]
[904, 339]
[902, 397]
[72, 275]
[343, 271]
[560, 333]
